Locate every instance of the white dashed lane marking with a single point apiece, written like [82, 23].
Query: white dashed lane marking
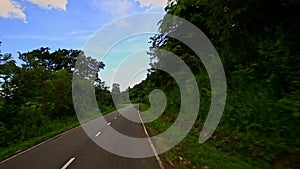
[98, 134]
[109, 123]
[68, 163]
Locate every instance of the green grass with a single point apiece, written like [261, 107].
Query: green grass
[54, 128]
[57, 127]
[189, 153]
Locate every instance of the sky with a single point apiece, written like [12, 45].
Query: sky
[26, 25]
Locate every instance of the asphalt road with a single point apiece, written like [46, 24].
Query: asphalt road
[75, 150]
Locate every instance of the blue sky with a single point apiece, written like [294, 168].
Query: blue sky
[68, 24]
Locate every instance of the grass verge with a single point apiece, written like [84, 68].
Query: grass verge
[56, 127]
[59, 126]
[189, 153]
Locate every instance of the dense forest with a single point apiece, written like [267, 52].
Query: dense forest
[258, 42]
[36, 96]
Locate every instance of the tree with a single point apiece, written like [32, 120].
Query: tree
[258, 44]
[60, 59]
[116, 94]
[103, 95]
[8, 68]
[39, 92]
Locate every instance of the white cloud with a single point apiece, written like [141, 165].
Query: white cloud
[153, 3]
[121, 8]
[11, 9]
[50, 4]
[114, 69]
[113, 7]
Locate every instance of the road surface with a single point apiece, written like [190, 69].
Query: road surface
[75, 150]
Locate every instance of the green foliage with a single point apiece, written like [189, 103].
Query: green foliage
[49, 129]
[258, 43]
[36, 97]
[116, 93]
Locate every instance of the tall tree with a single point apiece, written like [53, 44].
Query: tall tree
[258, 44]
[116, 93]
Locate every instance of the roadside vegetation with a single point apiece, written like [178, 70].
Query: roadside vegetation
[36, 97]
[258, 42]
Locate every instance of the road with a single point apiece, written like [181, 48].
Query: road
[75, 150]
